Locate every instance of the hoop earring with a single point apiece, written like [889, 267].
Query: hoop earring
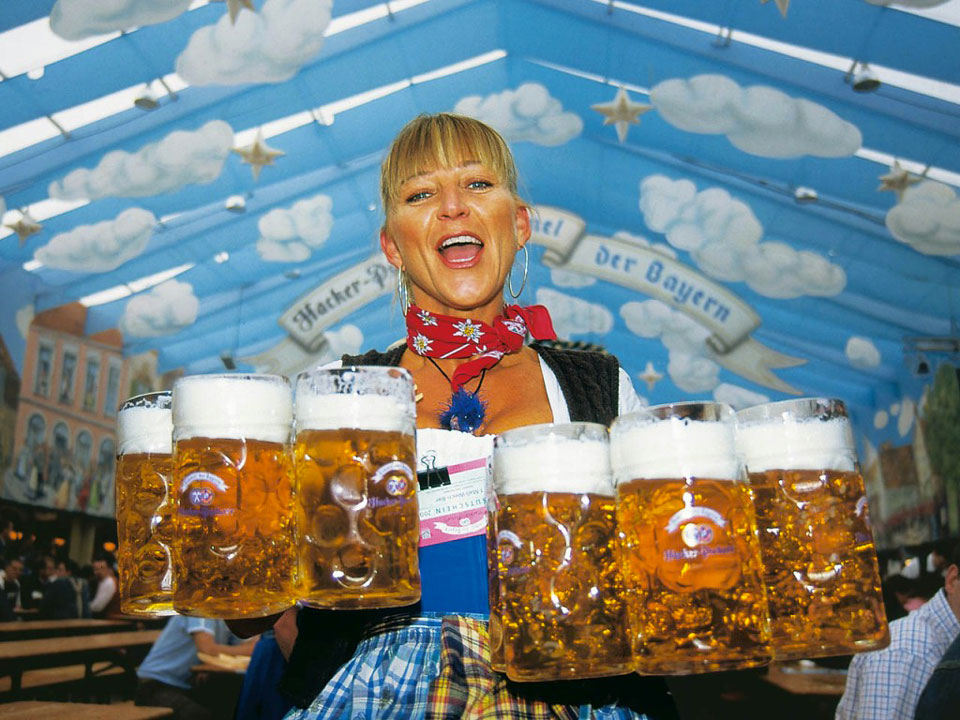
[402, 295]
[526, 267]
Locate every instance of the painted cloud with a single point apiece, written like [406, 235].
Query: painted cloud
[167, 308]
[759, 120]
[690, 366]
[723, 237]
[738, 397]
[906, 417]
[181, 158]
[291, 234]
[100, 247]
[862, 353]
[269, 46]
[78, 19]
[927, 219]
[23, 319]
[527, 113]
[568, 279]
[573, 316]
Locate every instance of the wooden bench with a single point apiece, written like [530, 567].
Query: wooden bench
[44, 710]
[59, 676]
[59, 628]
[120, 649]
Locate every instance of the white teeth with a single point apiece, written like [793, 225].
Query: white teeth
[460, 240]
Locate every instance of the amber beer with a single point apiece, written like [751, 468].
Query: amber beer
[559, 586]
[144, 505]
[232, 475]
[356, 502]
[820, 564]
[690, 556]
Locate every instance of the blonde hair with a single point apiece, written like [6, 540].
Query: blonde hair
[443, 140]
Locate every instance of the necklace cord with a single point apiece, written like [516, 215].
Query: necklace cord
[483, 373]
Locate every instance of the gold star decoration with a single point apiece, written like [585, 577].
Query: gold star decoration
[258, 154]
[235, 6]
[622, 112]
[784, 5]
[650, 376]
[25, 226]
[897, 180]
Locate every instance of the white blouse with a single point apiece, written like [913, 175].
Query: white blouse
[438, 448]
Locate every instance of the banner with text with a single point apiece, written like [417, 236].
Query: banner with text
[728, 318]
[311, 315]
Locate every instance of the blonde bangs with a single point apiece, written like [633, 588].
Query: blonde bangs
[445, 140]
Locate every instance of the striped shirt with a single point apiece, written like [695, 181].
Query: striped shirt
[886, 684]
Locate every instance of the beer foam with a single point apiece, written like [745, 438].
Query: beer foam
[364, 412]
[674, 449]
[808, 444]
[145, 430]
[553, 465]
[236, 407]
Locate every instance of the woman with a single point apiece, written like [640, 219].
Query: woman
[454, 224]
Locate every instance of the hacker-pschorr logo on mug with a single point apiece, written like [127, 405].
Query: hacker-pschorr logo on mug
[198, 494]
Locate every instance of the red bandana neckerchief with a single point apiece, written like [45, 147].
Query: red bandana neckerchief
[443, 336]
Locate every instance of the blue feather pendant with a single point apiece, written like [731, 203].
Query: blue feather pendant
[465, 412]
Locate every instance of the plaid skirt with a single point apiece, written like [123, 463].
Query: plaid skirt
[438, 668]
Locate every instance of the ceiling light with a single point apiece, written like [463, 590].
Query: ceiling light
[863, 79]
[805, 195]
[148, 100]
[221, 257]
[236, 203]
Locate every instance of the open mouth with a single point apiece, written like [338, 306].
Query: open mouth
[460, 250]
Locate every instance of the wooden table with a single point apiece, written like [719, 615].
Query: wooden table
[801, 680]
[59, 628]
[42, 710]
[117, 648]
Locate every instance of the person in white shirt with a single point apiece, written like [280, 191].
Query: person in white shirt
[886, 684]
[106, 587]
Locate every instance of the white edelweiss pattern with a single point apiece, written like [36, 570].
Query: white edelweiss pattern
[421, 343]
[515, 327]
[469, 330]
[426, 318]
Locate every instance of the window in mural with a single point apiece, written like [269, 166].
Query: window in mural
[30, 461]
[67, 371]
[41, 382]
[59, 458]
[91, 383]
[101, 491]
[83, 452]
[113, 389]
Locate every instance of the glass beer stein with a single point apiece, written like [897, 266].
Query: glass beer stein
[559, 586]
[233, 550]
[690, 557]
[144, 505]
[354, 457]
[820, 565]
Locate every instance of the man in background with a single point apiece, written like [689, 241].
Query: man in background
[67, 597]
[887, 683]
[164, 675]
[106, 601]
[10, 580]
[34, 586]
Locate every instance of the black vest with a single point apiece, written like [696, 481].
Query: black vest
[589, 381]
[590, 384]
